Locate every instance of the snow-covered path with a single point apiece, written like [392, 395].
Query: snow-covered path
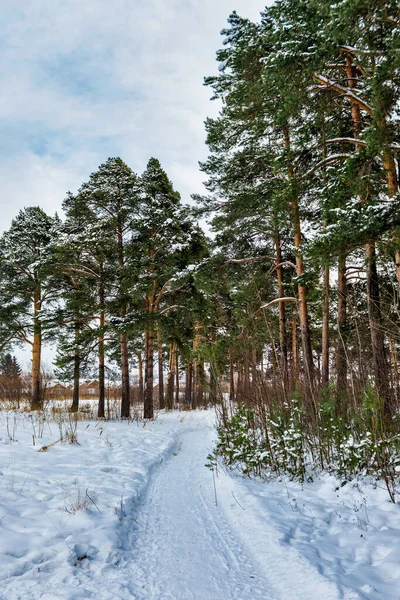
[185, 550]
[129, 513]
[185, 547]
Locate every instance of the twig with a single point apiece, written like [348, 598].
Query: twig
[237, 502]
[215, 489]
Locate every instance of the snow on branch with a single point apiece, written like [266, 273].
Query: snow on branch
[240, 261]
[345, 92]
[347, 140]
[351, 50]
[277, 301]
[327, 161]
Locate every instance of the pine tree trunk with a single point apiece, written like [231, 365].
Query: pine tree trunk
[309, 374]
[246, 378]
[102, 379]
[325, 328]
[189, 383]
[176, 375]
[213, 396]
[395, 365]
[282, 311]
[295, 354]
[199, 384]
[169, 400]
[102, 386]
[161, 400]
[325, 288]
[379, 355]
[253, 367]
[198, 368]
[141, 386]
[37, 397]
[125, 391]
[239, 384]
[381, 366]
[148, 411]
[341, 346]
[392, 188]
[231, 381]
[125, 385]
[102, 382]
[77, 364]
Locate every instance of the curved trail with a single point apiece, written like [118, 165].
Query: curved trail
[184, 548]
[187, 548]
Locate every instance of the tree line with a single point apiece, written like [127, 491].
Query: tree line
[104, 282]
[297, 294]
[303, 181]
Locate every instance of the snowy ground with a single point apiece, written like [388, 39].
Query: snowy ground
[131, 513]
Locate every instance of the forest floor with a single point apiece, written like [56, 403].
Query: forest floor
[131, 512]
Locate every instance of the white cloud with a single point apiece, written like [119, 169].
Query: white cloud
[82, 81]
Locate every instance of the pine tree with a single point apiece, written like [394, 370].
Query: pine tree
[27, 286]
[165, 246]
[10, 379]
[111, 196]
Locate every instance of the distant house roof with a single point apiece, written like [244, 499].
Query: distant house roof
[90, 384]
[58, 386]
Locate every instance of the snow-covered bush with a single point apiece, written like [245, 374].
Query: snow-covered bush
[281, 439]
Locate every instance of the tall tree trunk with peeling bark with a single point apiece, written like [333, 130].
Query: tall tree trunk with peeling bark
[102, 395]
[309, 373]
[189, 383]
[169, 399]
[149, 390]
[161, 400]
[325, 326]
[125, 383]
[282, 311]
[379, 353]
[140, 377]
[77, 364]
[341, 349]
[37, 397]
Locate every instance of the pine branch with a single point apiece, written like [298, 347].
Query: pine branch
[345, 92]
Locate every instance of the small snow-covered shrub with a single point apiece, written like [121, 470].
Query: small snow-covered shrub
[283, 439]
[240, 442]
[287, 440]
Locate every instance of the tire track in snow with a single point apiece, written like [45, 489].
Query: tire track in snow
[184, 548]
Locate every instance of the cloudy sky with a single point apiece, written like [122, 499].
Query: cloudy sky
[83, 80]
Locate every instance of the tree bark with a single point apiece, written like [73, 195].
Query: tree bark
[125, 391]
[169, 400]
[148, 411]
[379, 354]
[176, 375]
[102, 389]
[295, 354]
[141, 386]
[161, 400]
[309, 373]
[341, 350]
[325, 328]
[198, 368]
[231, 381]
[77, 364]
[102, 381]
[189, 382]
[125, 384]
[37, 396]
[282, 311]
